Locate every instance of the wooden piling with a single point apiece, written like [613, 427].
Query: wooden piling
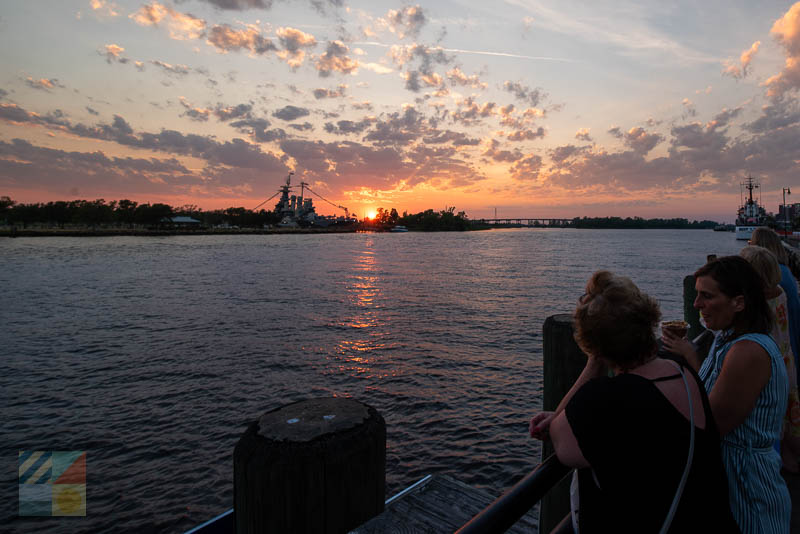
[563, 363]
[313, 466]
[690, 313]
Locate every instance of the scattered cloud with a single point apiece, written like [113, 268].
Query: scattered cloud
[104, 8]
[294, 43]
[335, 60]
[43, 84]
[339, 92]
[177, 70]
[523, 93]
[227, 39]
[181, 26]
[741, 70]
[240, 5]
[406, 22]
[290, 113]
[583, 135]
[113, 53]
[640, 141]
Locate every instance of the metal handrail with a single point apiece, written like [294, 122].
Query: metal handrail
[512, 505]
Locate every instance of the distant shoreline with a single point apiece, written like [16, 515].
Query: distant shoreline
[141, 232]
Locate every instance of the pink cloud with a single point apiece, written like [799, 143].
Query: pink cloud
[786, 31]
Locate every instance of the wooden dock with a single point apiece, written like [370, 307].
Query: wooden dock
[439, 505]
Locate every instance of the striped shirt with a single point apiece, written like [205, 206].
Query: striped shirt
[758, 495]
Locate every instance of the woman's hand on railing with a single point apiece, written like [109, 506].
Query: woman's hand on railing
[539, 427]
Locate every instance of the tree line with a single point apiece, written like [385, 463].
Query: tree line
[640, 223]
[123, 213]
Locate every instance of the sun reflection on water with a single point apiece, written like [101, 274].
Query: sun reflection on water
[364, 329]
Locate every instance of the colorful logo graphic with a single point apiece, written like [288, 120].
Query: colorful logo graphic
[52, 483]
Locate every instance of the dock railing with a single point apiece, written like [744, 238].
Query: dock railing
[524, 495]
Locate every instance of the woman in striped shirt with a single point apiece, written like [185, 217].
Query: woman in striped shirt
[747, 383]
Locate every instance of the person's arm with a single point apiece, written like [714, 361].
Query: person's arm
[539, 425]
[564, 442]
[745, 372]
[681, 346]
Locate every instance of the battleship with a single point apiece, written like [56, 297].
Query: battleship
[299, 211]
[751, 215]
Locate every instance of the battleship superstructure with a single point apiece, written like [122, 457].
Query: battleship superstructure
[300, 211]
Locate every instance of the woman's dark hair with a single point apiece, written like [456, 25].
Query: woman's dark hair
[616, 321]
[735, 276]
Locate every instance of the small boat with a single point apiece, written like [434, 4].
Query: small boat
[751, 215]
[398, 228]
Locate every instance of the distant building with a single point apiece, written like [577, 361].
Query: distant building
[792, 212]
[181, 220]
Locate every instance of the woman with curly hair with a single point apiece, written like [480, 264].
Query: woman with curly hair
[644, 438]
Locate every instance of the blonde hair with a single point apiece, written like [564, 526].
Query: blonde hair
[767, 238]
[765, 263]
[616, 321]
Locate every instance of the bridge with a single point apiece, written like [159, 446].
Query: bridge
[532, 222]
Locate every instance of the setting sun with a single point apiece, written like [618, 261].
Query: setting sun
[371, 214]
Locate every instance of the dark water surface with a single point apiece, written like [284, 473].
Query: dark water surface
[153, 354]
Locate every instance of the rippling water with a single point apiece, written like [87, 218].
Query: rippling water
[153, 354]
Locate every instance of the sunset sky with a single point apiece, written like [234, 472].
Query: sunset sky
[535, 108]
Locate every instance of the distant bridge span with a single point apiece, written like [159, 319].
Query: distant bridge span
[532, 222]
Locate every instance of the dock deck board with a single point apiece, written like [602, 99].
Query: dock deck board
[440, 505]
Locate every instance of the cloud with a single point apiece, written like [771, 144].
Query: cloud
[502, 156]
[346, 127]
[113, 53]
[526, 168]
[775, 116]
[526, 134]
[365, 105]
[583, 135]
[235, 153]
[449, 136]
[181, 26]
[92, 111]
[227, 113]
[406, 21]
[689, 109]
[427, 56]
[227, 39]
[306, 126]
[257, 129]
[22, 164]
[335, 60]
[457, 77]
[240, 5]
[196, 114]
[640, 141]
[524, 93]
[339, 92]
[177, 70]
[786, 31]
[3, 93]
[290, 113]
[43, 84]
[399, 128]
[737, 71]
[294, 42]
[616, 131]
[105, 8]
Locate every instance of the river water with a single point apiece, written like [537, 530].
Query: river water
[154, 353]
